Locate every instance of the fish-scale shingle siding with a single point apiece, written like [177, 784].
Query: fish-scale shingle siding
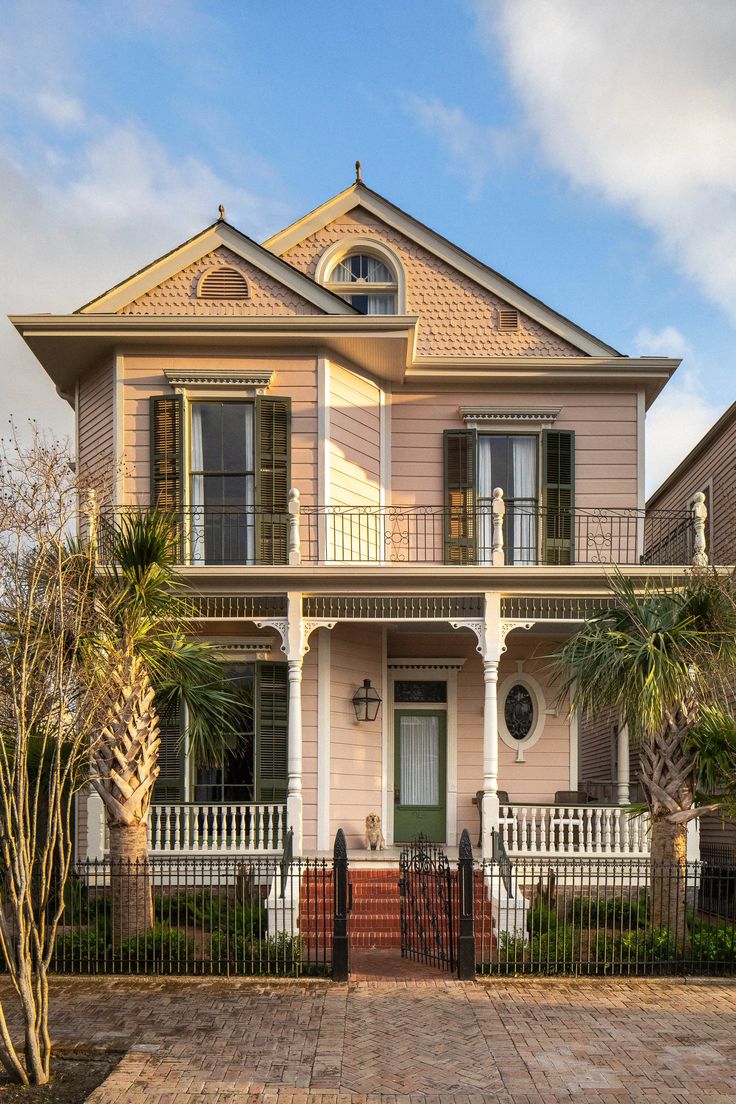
[457, 316]
[178, 294]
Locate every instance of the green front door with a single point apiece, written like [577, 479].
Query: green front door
[420, 774]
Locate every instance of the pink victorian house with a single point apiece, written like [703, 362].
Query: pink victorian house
[401, 480]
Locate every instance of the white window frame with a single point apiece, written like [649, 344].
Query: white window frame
[341, 249]
[521, 678]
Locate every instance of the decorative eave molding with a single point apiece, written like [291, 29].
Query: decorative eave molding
[253, 648]
[505, 418]
[452, 664]
[190, 378]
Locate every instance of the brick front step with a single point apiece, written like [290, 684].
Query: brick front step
[375, 919]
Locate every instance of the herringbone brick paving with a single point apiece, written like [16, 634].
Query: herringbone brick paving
[420, 1042]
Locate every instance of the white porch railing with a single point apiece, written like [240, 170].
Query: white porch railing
[580, 830]
[197, 828]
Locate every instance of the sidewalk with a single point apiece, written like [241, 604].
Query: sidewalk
[420, 1041]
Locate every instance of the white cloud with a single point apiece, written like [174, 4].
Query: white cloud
[86, 200]
[636, 99]
[667, 342]
[473, 149]
[675, 424]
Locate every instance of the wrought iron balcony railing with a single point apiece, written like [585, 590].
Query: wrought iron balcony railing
[496, 532]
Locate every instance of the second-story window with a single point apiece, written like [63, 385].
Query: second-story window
[229, 488]
[509, 461]
[366, 281]
[222, 482]
[539, 527]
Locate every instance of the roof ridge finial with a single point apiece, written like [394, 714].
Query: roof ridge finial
[221, 209]
[358, 173]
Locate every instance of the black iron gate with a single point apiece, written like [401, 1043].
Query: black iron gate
[428, 905]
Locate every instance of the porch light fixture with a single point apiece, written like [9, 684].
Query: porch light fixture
[366, 702]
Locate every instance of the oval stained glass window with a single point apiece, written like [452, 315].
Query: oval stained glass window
[518, 712]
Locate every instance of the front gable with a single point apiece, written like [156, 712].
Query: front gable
[457, 317]
[179, 294]
[456, 296]
[169, 284]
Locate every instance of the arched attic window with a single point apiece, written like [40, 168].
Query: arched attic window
[222, 283]
[366, 280]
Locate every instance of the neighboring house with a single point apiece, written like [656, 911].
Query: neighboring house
[709, 468]
[330, 414]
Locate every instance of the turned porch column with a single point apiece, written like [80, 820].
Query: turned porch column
[295, 657]
[490, 753]
[622, 764]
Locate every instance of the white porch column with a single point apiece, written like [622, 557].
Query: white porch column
[295, 657]
[622, 764]
[95, 826]
[490, 753]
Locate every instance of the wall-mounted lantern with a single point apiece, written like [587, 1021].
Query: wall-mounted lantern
[366, 702]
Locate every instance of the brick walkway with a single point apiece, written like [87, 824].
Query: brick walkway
[420, 1041]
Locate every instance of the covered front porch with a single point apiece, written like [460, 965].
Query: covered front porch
[468, 732]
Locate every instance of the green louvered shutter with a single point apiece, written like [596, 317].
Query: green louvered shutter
[559, 496]
[460, 537]
[169, 786]
[167, 451]
[272, 736]
[273, 478]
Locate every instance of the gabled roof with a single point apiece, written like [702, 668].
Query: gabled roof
[218, 234]
[359, 195]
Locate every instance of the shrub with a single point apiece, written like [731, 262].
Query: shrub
[610, 912]
[714, 944]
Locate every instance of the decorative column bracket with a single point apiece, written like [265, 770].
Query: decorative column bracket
[294, 644]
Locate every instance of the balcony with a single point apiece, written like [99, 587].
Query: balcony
[495, 533]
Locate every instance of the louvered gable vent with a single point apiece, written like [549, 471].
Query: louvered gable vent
[508, 318]
[223, 283]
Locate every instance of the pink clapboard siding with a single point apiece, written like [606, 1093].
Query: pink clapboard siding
[355, 755]
[96, 431]
[144, 376]
[605, 426]
[355, 466]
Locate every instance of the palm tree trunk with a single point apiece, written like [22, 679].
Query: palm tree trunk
[130, 882]
[668, 779]
[669, 878]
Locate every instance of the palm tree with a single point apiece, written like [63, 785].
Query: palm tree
[664, 660]
[144, 659]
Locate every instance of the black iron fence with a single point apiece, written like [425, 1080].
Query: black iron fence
[593, 917]
[532, 535]
[223, 916]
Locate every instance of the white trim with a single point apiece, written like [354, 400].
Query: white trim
[384, 445]
[324, 447]
[574, 751]
[517, 420]
[360, 196]
[362, 243]
[209, 240]
[411, 666]
[387, 805]
[251, 383]
[118, 428]
[324, 769]
[641, 459]
[520, 678]
[77, 468]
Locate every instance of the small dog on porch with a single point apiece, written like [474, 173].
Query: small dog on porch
[374, 840]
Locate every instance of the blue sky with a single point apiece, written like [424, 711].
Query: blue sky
[586, 151]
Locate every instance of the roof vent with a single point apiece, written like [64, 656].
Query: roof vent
[508, 318]
[222, 283]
